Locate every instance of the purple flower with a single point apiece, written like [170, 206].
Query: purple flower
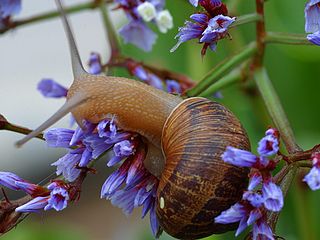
[189, 31]
[217, 29]
[255, 180]
[255, 199]
[58, 137]
[313, 178]
[107, 128]
[268, 146]
[238, 157]
[261, 230]
[194, 2]
[140, 73]
[173, 87]
[35, 205]
[272, 195]
[9, 7]
[95, 66]
[58, 199]
[155, 81]
[52, 89]
[314, 38]
[312, 16]
[67, 166]
[137, 33]
[9, 180]
[121, 150]
[234, 214]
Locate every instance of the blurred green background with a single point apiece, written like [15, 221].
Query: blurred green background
[294, 71]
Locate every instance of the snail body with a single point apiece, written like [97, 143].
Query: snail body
[185, 141]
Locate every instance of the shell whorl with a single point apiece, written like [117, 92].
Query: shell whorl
[196, 185]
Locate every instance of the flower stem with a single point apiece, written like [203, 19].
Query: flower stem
[248, 18]
[111, 34]
[275, 109]
[48, 15]
[233, 77]
[222, 68]
[5, 125]
[286, 38]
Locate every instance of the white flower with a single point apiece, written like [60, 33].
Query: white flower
[147, 11]
[164, 21]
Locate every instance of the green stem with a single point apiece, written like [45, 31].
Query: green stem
[111, 34]
[49, 15]
[234, 76]
[286, 38]
[248, 18]
[222, 68]
[275, 109]
[14, 128]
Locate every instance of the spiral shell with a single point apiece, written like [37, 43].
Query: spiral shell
[196, 185]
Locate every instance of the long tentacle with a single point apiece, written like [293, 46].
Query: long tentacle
[77, 67]
[73, 102]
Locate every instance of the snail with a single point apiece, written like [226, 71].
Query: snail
[185, 141]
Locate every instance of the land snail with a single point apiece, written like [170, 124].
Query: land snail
[185, 141]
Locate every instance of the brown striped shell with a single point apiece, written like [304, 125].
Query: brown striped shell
[196, 185]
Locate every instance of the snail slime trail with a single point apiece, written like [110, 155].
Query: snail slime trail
[185, 141]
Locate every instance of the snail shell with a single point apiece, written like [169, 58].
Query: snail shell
[196, 185]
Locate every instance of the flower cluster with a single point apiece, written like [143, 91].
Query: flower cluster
[262, 195]
[55, 196]
[209, 26]
[312, 15]
[169, 85]
[7, 9]
[139, 13]
[129, 186]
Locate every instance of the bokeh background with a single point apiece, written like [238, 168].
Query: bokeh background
[33, 52]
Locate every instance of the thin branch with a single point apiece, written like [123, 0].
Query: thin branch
[5, 125]
[48, 15]
[286, 38]
[275, 109]
[223, 68]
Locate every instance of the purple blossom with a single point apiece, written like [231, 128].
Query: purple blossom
[217, 29]
[189, 31]
[313, 177]
[140, 73]
[95, 66]
[67, 166]
[312, 16]
[58, 199]
[261, 230]
[173, 87]
[9, 180]
[268, 146]
[35, 205]
[238, 157]
[138, 33]
[107, 128]
[314, 38]
[121, 150]
[255, 180]
[8, 8]
[194, 2]
[58, 137]
[155, 81]
[50, 88]
[273, 198]
[234, 214]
